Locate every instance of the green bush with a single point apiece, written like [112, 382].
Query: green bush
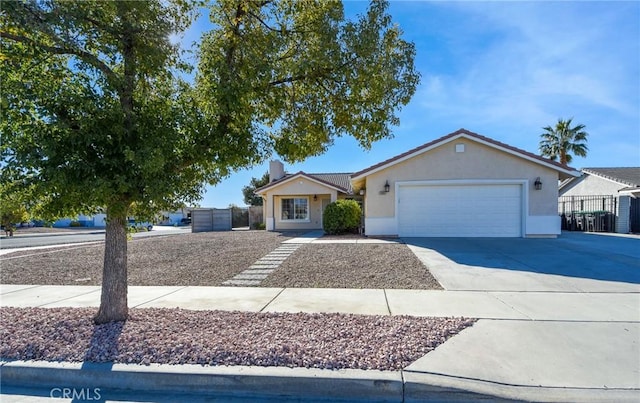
[258, 226]
[341, 216]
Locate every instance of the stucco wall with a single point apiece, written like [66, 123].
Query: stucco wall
[591, 185]
[297, 188]
[315, 213]
[476, 162]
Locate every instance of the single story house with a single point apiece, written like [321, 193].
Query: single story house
[460, 185]
[96, 220]
[616, 190]
[297, 201]
[100, 219]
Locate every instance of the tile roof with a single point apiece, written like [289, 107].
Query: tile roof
[626, 175]
[469, 134]
[341, 181]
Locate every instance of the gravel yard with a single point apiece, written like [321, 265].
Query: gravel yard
[175, 336]
[178, 336]
[204, 259]
[209, 259]
[350, 265]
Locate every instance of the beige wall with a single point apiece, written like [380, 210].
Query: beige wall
[476, 162]
[298, 188]
[315, 213]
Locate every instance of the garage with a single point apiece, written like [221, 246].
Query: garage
[460, 210]
[462, 185]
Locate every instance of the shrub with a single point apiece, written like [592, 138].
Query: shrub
[341, 216]
[259, 226]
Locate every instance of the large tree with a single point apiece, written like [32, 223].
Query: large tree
[292, 75]
[95, 113]
[249, 191]
[557, 142]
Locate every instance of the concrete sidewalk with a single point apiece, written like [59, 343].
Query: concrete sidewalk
[532, 306]
[534, 346]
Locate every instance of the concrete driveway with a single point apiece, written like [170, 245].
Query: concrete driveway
[573, 262]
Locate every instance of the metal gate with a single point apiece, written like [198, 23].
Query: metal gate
[205, 220]
[588, 213]
[634, 216]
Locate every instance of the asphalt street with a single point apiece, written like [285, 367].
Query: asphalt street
[78, 236]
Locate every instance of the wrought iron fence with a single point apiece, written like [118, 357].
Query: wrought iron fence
[588, 213]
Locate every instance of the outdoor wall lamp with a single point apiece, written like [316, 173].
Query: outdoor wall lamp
[386, 187]
[361, 192]
[315, 197]
[537, 184]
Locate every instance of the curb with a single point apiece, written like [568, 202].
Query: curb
[418, 385]
[288, 383]
[237, 381]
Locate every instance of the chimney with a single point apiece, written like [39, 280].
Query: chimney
[276, 170]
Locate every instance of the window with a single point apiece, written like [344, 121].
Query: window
[295, 209]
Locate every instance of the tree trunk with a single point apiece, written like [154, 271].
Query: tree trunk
[563, 157]
[113, 301]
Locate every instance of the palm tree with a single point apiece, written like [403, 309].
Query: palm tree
[557, 142]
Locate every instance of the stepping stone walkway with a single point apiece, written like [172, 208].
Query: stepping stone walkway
[264, 266]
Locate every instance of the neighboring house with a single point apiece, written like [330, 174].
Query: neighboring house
[621, 185]
[100, 219]
[96, 220]
[174, 217]
[460, 185]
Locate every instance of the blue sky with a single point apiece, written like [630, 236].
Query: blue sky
[503, 70]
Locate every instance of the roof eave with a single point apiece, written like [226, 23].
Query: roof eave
[265, 188]
[568, 171]
[630, 191]
[591, 171]
[540, 161]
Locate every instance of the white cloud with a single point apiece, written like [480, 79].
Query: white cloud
[523, 65]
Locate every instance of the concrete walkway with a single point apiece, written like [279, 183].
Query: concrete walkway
[263, 267]
[535, 346]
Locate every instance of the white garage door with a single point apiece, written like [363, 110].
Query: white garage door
[493, 210]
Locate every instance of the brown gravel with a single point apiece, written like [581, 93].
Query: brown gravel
[209, 259]
[204, 259]
[351, 265]
[175, 336]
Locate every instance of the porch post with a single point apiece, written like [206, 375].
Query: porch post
[271, 221]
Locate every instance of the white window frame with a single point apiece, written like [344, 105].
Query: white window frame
[306, 219]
